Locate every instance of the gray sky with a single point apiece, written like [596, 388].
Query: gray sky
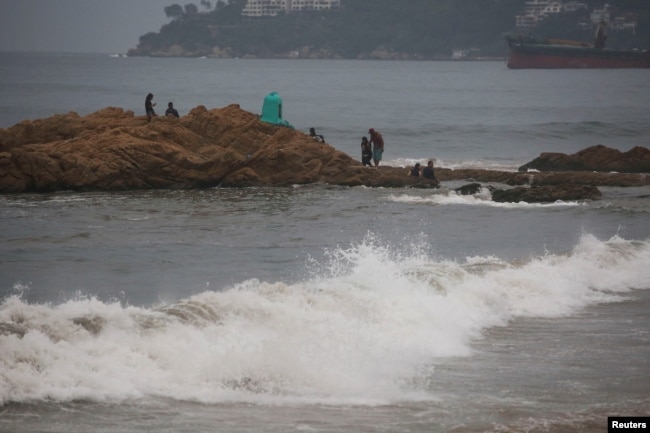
[103, 26]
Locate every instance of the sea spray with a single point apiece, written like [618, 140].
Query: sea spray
[367, 329]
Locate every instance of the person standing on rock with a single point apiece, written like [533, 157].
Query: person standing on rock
[171, 111]
[366, 152]
[377, 142]
[148, 107]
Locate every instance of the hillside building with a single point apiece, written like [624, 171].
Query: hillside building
[537, 10]
[271, 8]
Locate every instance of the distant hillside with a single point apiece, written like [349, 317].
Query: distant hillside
[384, 29]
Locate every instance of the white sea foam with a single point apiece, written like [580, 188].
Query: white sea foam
[455, 165]
[445, 197]
[364, 329]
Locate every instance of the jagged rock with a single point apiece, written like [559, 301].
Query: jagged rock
[546, 194]
[469, 189]
[114, 150]
[595, 158]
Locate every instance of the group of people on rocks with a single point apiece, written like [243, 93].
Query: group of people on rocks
[427, 172]
[371, 150]
[149, 104]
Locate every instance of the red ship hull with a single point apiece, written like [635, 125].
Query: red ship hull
[531, 54]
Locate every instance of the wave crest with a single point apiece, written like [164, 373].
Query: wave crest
[365, 327]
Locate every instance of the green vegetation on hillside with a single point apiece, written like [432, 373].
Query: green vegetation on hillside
[417, 29]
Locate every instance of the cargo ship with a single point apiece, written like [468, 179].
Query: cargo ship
[531, 53]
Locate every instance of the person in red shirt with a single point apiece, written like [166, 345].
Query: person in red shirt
[377, 142]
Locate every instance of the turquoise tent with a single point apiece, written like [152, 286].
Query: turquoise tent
[272, 110]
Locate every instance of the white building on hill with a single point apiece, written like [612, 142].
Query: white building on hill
[537, 10]
[271, 8]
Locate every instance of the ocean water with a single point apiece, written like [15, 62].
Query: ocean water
[322, 308]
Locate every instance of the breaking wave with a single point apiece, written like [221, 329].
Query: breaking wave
[364, 328]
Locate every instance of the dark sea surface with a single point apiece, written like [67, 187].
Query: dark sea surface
[321, 308]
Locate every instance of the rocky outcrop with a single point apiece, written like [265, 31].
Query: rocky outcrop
[546, 194]
[112, 149]
[595, 158]
[535, 193]
[469, 189]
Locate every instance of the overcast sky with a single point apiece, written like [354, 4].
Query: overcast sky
[103, 26]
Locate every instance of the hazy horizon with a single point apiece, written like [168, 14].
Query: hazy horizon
[92, 26]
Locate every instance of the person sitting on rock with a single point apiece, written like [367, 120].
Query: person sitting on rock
[317, 137]
[428, 172]
[415, 172]
[171, 111]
